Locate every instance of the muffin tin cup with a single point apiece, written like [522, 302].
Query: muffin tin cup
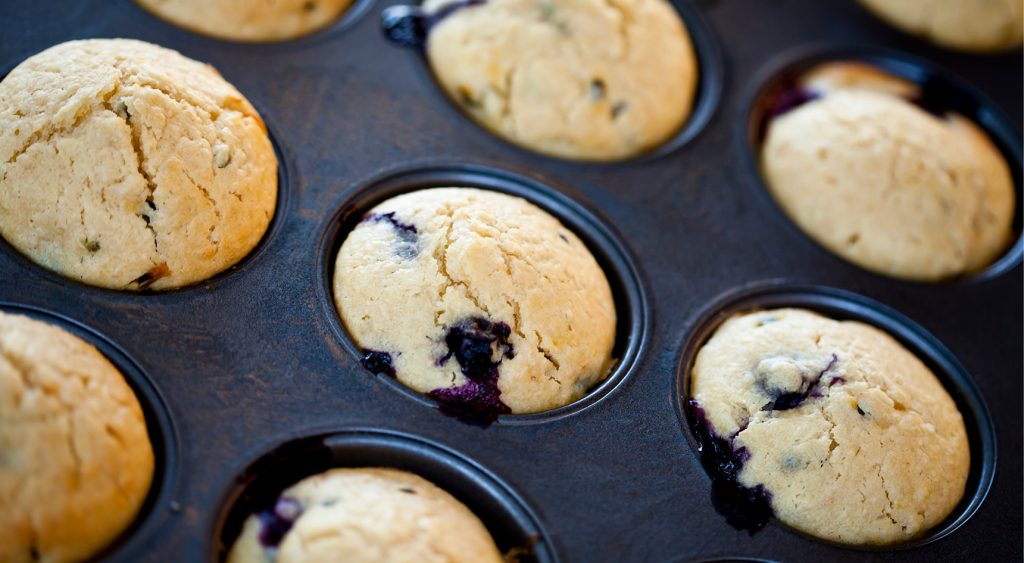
[963, 98]
[507, 517]
[349, 18]
[155, 509]
[618, 265]
[707, 94]
[281, 209]
[844, 305]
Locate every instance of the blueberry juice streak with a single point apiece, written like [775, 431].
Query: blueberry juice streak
[787, 401]
[278, 521]
[744, 508]
[409, 25]
[475, 343]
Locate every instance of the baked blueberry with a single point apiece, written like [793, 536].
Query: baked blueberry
[378, 362]
[479, 346]
[832, 426]
[501, 310]
[364, 514]
[276, 521]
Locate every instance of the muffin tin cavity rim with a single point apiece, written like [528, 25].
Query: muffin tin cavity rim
[970, 102]
[620, 268]
[845, 305]
[159, 502]
[503, 511]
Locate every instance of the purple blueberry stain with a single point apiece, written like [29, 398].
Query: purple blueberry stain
[408, 236]
[277, 521]
[744, 508]
[792, 399]
[479, 346]
[790, 99]
[378, 362]
[409, 26]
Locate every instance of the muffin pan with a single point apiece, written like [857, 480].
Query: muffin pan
[242, 373]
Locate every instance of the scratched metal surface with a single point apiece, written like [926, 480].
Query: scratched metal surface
[252, 359]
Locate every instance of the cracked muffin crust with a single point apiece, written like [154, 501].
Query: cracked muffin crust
[249, 20]
[480, 299]
[881, 174]
[75, 458]
[968, 25]
[832, 425]
[364, 515]
[126, 165]
[579, 79]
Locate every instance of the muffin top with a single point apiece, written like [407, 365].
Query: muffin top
[126, 165]
[578, 79]
[75, 458]
[479, 299]
[841, 430]
[249, 20]
[364, 516]
[968, 25]
[865, 169]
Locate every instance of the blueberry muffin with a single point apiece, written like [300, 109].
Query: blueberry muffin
[881, 174]
[364, 516]
[967, 25]
[249, 20]
[127, 166]
[833, 426]
[479, 299]
[580, 79]
[75, 457]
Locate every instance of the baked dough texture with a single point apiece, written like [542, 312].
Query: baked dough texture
[967, 25]
[249, 20]
[577, 79]
[365, 516]
[853, 439]
[126, 165]
[479, 299]
[75, 458]
[884, 183]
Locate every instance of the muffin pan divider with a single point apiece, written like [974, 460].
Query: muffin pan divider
[249, 360]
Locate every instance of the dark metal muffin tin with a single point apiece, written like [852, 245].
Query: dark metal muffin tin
[250, 382]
